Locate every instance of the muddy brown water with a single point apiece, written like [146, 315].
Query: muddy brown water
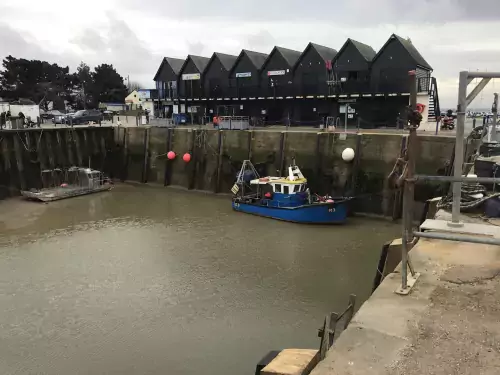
[144, 280]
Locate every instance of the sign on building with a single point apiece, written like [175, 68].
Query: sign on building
[191, 76]
[144, 94]
[276, 73]
[244, 75]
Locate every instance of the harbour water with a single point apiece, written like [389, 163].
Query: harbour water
[146, 280]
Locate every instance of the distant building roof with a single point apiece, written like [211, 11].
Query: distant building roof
[410, 48]
[326, 53]
[367, 52]
[175, 64]
[226, 60]
[199, 61]
[290, 55]
[256, 58]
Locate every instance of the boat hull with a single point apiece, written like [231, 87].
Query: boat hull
[50, 195]
[316, 213]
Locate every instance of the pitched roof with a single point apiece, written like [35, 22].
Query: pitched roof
[175, 64]
[257, 58]
[289, 55]
[410, 48]
[366, 51]
[326, 53]
[199, 61]
[226, 60]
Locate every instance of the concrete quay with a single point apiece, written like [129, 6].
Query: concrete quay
[448, 324]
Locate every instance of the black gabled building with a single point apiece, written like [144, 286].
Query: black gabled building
[191, 77]
[389, 68]
[277, 73]
[167, 78]
[311, 71]
[216, 75]
[245, 74]
[351, 68]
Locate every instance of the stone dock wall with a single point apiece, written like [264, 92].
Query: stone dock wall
[140, 154]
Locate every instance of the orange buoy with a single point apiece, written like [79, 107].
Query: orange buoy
[171, 155]
[187, 157]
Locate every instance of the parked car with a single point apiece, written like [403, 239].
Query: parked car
[84, 117]
[59, 119]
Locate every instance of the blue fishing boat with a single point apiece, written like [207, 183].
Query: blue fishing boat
[285, 198]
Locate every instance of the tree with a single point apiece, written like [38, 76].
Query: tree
[107, 85]
[83, 77]
[36, 80]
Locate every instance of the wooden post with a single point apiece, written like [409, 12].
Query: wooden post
[282, 152]
[78, 144]
[355, 165]
[60, 151]
[168, 163]
[250, 144]
[125, 154]
[39, 151]
[145, 164]
[319, 162]
[86, 154]
[50, 150]
[69, 145]
[18, 151]
[194, 154]
[219, 161]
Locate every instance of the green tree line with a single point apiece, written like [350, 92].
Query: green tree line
[44, 83]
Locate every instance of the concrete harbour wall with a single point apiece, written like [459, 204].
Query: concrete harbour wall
[216, 156]
[25, 153]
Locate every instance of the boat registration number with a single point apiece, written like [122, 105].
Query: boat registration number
[236, 205]
[331, 210]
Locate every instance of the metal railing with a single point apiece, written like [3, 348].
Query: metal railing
[409, 179]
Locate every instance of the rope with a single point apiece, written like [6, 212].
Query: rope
[467, 200]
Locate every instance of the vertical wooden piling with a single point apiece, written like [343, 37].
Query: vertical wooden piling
[168, 162]
[124, 174]
[194, 159]
[50, 150]
[355, 165]
[19, 154]
[86, 149]
[282, 152]
[78, 144]
[250, 144]
[219, 161]
[69, 146]
[145, 164]
[319, 161]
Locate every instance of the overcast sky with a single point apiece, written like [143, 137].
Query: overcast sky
[133, 35]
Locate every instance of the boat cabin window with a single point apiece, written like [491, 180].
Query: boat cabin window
[296, 188]
[286, 189]
[277, 188]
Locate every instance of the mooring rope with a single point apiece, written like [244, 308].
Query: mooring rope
[468, 201]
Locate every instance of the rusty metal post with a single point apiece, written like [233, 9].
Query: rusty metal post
[409, 186]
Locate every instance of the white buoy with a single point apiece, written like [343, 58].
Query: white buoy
[348, 154]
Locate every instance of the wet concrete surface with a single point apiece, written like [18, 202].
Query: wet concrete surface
[146, 280]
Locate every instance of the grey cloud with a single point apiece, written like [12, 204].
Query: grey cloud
[16, 44]
[261, 41]
[365, 12]
[196, 48]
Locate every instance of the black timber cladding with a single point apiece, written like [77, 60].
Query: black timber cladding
[351, 68]
[216, 75]
[277, 72]
[389, 69]
[310, 70]
[169, 69]
[191, 87]
[245, 73]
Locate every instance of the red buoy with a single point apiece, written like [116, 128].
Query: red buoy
[171, 155]
[186, 157]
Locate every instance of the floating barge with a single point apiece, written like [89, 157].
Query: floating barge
[76, 181]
